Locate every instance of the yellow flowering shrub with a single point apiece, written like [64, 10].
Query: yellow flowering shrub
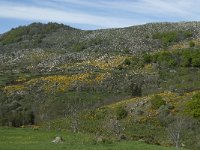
[58, 83]
[102, 63]
[14, 88]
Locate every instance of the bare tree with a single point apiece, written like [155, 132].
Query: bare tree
[115, 127]
[175, 130]
[73, 114]
[74, 120]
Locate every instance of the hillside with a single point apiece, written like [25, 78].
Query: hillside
[144, 78]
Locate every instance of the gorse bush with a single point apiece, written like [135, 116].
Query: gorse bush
[157, 101]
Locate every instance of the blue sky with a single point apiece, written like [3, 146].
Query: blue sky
[96, 14]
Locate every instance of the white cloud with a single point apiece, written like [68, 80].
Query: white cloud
[75, 11]
[183, 9]
[50, 14]
[83, 2]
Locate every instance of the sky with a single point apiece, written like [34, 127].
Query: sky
[96, 14]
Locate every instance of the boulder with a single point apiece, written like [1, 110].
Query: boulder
[100, 139]
[57, 140]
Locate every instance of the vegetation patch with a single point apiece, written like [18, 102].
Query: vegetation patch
[193, 106]
[168, 38]
[157, 101]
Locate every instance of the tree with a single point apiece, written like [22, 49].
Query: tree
[74, 120]
[115, 127]
[175, 130]
[72, 110]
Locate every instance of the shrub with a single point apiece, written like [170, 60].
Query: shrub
[196, 58]
[163, 115]
[147, 58]
[120, 67]
[186, 60]
[136, 89]
[157, 101]
[126, 51]
[174, 36]
[127, 61]
[193, 106]
[172, 63]
[164, 56]
[121, 113]
[192, 44]
[80, 47]
[196, 62]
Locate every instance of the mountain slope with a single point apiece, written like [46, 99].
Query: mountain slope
[52, 71]
[57, 36]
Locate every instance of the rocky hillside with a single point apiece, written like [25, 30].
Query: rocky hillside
[56, 44]
[52, 71]
[61, 37]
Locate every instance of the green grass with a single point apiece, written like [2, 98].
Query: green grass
[23, 139]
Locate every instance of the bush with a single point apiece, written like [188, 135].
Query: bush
[172, 63]
[193, 106]
[186, 60]
[80, 47]
[196, 62]
[121, 113]
[147, 58]
[157, 101]
[196, 58]
[163, 115]
[127, 61]
[192, 44]
[136, 89]
[126, 51]
[164, 56]
[174, 36]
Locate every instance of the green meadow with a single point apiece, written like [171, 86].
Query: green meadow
[29, 139]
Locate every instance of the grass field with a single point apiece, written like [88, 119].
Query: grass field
[29, 139]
